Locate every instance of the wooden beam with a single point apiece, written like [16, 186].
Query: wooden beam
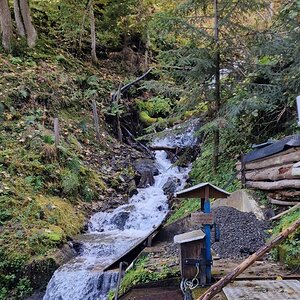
[218, 286]
[284, 194]
[165, 148]
[274, 185]
[273, 173]
[289, 156]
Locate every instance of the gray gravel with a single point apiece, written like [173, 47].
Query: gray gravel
[241, 233]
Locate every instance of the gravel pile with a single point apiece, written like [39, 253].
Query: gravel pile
[241, 233]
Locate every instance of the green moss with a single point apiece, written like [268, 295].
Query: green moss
[146, 119]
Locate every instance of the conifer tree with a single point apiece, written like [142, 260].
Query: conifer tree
[206, 37]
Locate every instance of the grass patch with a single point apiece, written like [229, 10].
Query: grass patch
[141, 272]
[186, 207]
[289, 250]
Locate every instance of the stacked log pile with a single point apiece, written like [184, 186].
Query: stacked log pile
[279, 174]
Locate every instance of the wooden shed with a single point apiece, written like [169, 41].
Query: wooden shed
[274, 167]
[192, 247]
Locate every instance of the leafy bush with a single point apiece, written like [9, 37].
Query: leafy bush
[70, 182]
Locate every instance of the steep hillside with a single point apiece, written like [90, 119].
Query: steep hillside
[46, 192]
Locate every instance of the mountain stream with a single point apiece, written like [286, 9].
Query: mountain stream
[111, 234]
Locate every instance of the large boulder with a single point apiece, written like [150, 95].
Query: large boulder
[145, 164]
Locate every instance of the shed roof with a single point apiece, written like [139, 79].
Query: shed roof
[276, 147]
[198, 191]
[189, 236]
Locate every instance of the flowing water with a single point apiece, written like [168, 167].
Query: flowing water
[111, 234]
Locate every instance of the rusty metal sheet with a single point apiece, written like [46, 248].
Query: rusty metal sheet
[263, 290]
[202, 218]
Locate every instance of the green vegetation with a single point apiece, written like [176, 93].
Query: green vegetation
[44, 189]
[141, 273]
[202, 170]
[185, 207]
[289, 250]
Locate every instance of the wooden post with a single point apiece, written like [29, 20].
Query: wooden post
[96, 120]
[218, 286]
[121, 266]
[243, 170]
[56, 132]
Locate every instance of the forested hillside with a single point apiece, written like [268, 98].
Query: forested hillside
[69, 137]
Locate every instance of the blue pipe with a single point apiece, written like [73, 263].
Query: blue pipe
[208, 256]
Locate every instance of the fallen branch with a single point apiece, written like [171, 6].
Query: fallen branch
[139, 144]
[128, 85]
[218, 286]
[285, 212]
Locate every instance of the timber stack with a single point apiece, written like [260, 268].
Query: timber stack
[274, 167]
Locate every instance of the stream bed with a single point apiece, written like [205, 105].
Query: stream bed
[111, 234]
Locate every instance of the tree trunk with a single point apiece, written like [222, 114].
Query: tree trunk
[93, 34]
[6, 25]
[19, 19]
[218, 286]
[30, 31]
[217, 97]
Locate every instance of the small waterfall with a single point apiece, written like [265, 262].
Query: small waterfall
[111, 234]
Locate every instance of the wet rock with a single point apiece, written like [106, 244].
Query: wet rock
[188, 155]
[171, 185]
[120, 219]
[145, 164]
[147, 179]
[76, 245]
[132, 190]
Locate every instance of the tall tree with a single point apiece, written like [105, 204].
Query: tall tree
[6, 25]
[24, 21]
[93, 32]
